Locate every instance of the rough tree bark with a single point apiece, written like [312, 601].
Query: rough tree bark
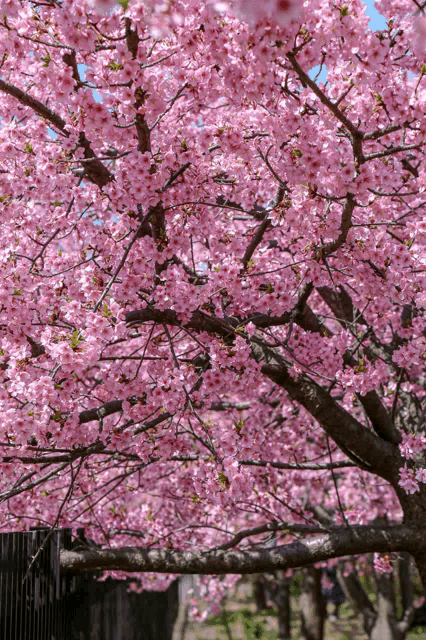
[304, 552]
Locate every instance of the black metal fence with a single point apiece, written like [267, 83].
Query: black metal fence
[107, 611]
[32, 591]
[38, 603]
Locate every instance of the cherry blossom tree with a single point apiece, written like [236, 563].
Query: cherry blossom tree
[213, 272]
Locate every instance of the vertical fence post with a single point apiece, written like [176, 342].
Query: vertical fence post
[32, 599]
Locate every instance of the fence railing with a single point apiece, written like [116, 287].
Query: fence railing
[32, 590]
[38, 603]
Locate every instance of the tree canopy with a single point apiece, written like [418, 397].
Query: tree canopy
[212, 282]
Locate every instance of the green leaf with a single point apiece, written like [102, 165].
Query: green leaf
[76, 338]
[115, 66]
[57, 416]
[106, 313]
[46, 60]
[223, 479]
[239, 425]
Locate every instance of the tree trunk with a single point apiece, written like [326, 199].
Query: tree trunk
[420, 560]
[380, 622]
[284, 612]
[386, 626]
[280, 595]
[259, 593]
[405, 581]
[355, 593]
[312, 605]
[348, 587]
[182, 618]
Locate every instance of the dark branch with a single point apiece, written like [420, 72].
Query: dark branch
[95, 170]
[340, 304]
[345, 226]
[351, 436]
[356, 134]
[302, 466]
[34, 104]
[255, 241]
[357, 540]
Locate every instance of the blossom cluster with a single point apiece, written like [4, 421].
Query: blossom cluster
[212, 265]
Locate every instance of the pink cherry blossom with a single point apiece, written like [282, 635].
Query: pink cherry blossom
[419, 45]
[212, 274]
[408, 480]
[279, 11]
[382, 563]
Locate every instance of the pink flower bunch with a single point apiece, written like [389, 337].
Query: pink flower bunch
[382, 563]
[412, 444]
[103, 6]
[408, 480]
[279, 11]
[419, 44]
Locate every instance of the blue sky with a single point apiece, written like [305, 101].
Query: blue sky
[376, 20]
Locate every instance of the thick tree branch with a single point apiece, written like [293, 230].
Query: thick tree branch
[350, 435]
[199, 321]
[98, 413]
[340, 304]
[357, 540]
[300, 466]
[356, 134]
[345, 225]
[95, 170]
[37, 106]
[255, 241]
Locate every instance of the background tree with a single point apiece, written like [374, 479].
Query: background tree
[212, 281]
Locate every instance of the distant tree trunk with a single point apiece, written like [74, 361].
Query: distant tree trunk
[380, 621]
[284, 612]
[348, 589]
[182, 620]
[259, 593]
[225, 620]
[405, 580]
[385, 626]
[358, 598]
[279, 590]
[312, 605]
[182, 617]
